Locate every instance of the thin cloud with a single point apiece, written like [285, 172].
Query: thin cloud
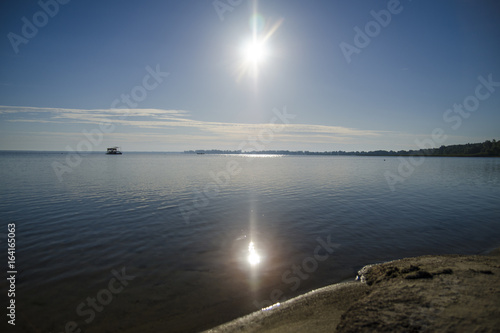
[181, 125]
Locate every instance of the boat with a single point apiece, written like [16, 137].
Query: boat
[113, 151]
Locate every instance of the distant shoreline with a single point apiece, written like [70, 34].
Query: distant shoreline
[299, 153]
[484, 149]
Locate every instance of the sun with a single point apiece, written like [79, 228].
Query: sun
[255, 52]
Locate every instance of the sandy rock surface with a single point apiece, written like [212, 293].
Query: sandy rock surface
[450, 293]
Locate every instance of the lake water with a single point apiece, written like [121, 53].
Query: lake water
[180, 243]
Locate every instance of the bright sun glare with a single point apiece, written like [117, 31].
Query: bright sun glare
[253, 257]
[255, 51]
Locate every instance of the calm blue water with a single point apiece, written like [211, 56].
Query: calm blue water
[129, 212]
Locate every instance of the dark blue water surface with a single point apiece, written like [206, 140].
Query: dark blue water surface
[179, 227]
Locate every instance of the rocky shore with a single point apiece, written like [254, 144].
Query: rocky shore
[447, 293]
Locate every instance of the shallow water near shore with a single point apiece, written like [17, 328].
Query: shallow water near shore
[179, 228]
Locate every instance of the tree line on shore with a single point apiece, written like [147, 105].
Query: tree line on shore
[483, 149]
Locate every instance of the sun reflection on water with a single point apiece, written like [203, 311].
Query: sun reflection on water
[253, 257]
[260, 155]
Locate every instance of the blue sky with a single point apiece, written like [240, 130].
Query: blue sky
[63, 80]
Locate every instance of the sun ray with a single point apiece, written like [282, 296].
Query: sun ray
[256, 50]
